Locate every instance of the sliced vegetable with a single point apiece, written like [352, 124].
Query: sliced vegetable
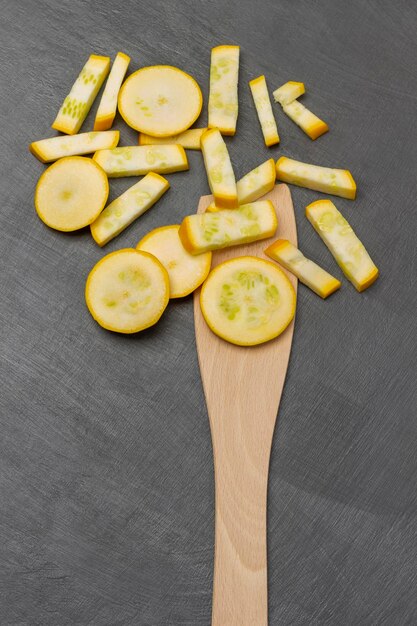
[77, 104]
[139, 160]
[229, 227]
[189, 139]
[308, 272]
[160, 100]
[333, 181]
[312, 125]
[71, 193]
[108, 104]
[127, 291]
[254, 185]
[247, 301]
[342, 242]
[288, 92]
[223, 99]
[257, 182]
[264, 109]
[47, 150]
[129, 206]
[219, 169]
[186, 272]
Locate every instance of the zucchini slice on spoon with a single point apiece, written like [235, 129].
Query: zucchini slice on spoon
[247, 301]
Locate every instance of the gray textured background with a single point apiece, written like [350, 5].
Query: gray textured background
[105, 455]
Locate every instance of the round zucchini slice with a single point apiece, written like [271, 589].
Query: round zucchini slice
[186, 271]
[160, 100]
[71, 193]
[247, 301]
[127, 291]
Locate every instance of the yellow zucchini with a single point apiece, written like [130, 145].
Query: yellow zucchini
[264, 109]
[247, 301]
[325, 179]
[71, 193]
[77, 104]
[288, 92]
[120, 213]
[47, 150]
[127, 291]
[312, 125]
[228, 227]
[223, 99]
[342, 242]
[186, 272]
[219, 169]
[108, 104]
[254, 184]
[308, 272]
[139, 160]
[160, 100]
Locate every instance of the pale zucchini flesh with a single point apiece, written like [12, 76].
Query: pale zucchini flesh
[186, 272]
[264, 110]
[71, 193]
[336, 182]
[247, 301]
[312, 125]
[257, 182]
[228, 227]
[77, 104]
[120, 213]
[288, 92]
[160, 100]
[106, 111]
[189, 139]
[308, 272]
[219, 169]
[339, 237]
[254, 184]
[127, 291]
[47, 150]
[223, 99]
[140, 160]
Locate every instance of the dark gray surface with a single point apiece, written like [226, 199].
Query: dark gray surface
[105, 459]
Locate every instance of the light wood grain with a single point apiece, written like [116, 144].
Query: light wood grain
[242, 387]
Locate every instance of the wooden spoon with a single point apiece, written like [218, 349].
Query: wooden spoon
[243, 387]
